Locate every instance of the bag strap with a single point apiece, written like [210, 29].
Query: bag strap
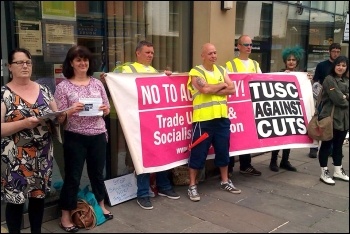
[332, 112]
[318, 102]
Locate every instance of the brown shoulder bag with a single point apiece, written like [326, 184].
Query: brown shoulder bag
[84, 215]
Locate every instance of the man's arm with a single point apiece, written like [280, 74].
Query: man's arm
[202, 86]
[230, 89]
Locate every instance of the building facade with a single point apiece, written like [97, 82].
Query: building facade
[111, 30]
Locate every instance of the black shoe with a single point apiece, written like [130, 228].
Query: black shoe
[313, 153]
[69, 229]
[286, 165]
[250, 171]
[108, 216]
[169, 194]
[145, 203]
[273, 166]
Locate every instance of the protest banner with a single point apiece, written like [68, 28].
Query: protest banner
[268, 111]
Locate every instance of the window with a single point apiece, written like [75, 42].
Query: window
[95, 6]
[240, 13]
[160, 22]
[266, 20]
[173, 16]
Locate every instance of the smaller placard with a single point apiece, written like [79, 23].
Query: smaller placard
[121, 189]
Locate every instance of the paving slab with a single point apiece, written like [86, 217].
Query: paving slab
[282, 202]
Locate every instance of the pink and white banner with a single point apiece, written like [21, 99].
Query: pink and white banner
[268, 111]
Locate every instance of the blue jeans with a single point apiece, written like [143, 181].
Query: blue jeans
[143, 183]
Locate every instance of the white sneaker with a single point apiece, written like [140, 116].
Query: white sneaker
[339, 174]
[193, 193]
[325, 178]
[228, 186]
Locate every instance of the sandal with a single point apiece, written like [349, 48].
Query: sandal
[69, 229]
[108, 216]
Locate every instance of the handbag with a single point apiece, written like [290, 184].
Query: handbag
[86, 195]
[321, 130]
[84, 215]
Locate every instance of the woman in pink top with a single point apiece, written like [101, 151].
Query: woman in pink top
[85, 133]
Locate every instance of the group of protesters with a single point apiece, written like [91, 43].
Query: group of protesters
[26, 134]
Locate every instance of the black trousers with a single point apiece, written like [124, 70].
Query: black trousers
[285, 155]
[77, 148]
[14, 213]
[337, 150]
[245, 161]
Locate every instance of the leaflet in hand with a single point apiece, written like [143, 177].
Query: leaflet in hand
[54, 114]
[91, 106]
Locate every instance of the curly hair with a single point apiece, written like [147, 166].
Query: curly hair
[297, 51]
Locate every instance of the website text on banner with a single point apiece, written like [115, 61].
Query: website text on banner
[269, 111]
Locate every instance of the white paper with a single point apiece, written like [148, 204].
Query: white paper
[91, 106]
[121, 189]
[54, 114]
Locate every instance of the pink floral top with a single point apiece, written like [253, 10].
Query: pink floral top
[68, 93]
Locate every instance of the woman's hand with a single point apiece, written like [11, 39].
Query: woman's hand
[62, 117]
[76, 107]
[105, 109]
[31, 122]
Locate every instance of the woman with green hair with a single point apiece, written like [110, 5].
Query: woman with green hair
[291, 58]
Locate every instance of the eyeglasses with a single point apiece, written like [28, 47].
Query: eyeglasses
[29, 63]
[246, 44]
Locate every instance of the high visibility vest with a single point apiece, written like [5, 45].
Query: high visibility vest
[236, 65]
[138, 68]
[130, 68]
[207, 106]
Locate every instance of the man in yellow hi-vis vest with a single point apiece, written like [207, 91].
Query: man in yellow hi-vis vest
[144, 57]
[209, 85]
[243, 64]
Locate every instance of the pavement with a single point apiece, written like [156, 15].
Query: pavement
[275, 202]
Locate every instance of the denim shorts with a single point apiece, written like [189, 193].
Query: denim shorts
[219, 138]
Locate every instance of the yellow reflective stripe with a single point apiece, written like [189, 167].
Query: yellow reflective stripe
[201, 72]
[233, 65]
[132, 68]
[255, 66]
[222, 71]
[209, 104]
[195, 94]
[234, 68]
